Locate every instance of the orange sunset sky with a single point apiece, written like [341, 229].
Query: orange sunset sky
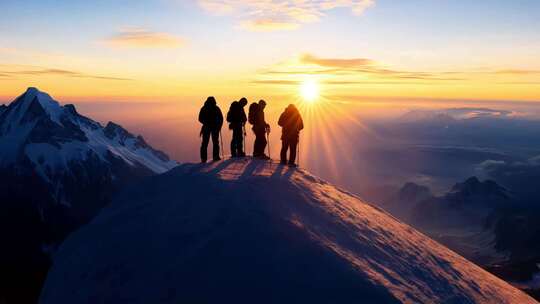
[166, 50]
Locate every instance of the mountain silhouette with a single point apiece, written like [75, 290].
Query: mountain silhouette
[58, 168]
[251, 231]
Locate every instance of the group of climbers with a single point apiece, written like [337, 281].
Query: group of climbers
[211, 119]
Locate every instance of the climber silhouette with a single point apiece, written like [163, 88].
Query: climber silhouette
[237, 120]
[260, 128]
[211, 119]
[291, 123]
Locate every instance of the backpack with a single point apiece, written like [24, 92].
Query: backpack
[253, 111]
[232, 115]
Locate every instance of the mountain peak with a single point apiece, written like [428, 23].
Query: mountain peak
[473, 186]
[31, 105]
[32, 90]
[414, 193]
[474, 192]
[44, 99]
[112, 130]
[203, 232]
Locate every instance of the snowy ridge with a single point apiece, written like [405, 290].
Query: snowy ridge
[257, 232]
[53, 137]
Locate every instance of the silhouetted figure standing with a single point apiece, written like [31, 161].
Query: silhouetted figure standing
[260, 128]
[237, 120]
[212, 120]
[291, 123]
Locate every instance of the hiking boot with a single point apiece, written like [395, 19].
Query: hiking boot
[264, 156]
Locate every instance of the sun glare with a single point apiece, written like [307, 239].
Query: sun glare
[309, 90]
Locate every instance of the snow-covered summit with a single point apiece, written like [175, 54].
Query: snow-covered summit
[31, 104]
[256, 232]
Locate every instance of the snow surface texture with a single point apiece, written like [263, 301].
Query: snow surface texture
[256, 232]
[54, 136]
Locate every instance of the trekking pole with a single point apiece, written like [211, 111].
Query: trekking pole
[244, 146]
[268, 135]
[298, 150]
[221, 140]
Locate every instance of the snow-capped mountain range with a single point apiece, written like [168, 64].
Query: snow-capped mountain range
[57, 170]
[70, 159]
[242, 231]
[52, 137]
[40, 137]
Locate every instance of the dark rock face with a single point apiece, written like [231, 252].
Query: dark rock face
[472, 191]
[470, 211]
[112, 130]
[414, 193]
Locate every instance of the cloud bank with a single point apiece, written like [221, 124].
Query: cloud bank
[350, 70]
[359, 70]
[6, 72]
[269, 15]
[141, 38]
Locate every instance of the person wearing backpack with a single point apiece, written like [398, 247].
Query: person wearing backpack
[211, 119]
[291, 123]
[237, 120]
[260, 128]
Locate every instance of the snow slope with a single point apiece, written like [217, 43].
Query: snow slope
[257, 232]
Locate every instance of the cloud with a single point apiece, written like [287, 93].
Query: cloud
[361, 6]
[462, 113]
[46, 72]
[278, 81]
[520, 82]
[141, 38]
[54, 72]
[519, 176]
[336, 63]
[326, 82]
[366, 71]
[271, 15]
[267, 25]
[217, 7]
[518, 72]
[308, 64]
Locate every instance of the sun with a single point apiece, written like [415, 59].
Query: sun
[309, 90]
